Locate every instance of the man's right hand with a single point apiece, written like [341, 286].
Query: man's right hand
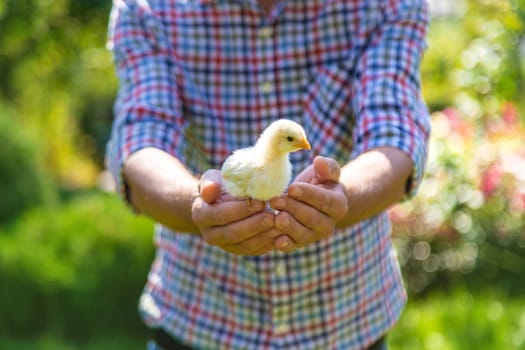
[238, 226]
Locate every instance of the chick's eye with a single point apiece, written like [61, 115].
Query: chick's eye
[290, 138]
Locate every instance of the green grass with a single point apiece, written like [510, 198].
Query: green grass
[49, 342]
[455, 321]
[461, 321]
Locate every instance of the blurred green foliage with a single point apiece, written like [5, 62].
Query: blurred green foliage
[476, 58]
[461, 320]
[71, 269]
[24, 183]
[58, 78]
[49, 342]
[75, 270]
[467, 224]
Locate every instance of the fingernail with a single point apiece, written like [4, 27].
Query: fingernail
[283, 244]
[334, 167]
[284, 222]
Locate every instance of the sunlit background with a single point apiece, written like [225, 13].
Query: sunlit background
[73, 260]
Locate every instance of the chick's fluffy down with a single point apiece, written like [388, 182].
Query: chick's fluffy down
[263, 171]
[245, 174]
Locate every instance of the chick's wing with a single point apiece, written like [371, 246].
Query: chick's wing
[238, 171]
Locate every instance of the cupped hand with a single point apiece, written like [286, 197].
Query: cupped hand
[240, 227]
[315, 202]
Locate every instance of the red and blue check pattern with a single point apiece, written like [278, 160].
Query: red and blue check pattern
[201, 78]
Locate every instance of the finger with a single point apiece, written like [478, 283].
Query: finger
[240, 250]
[307, 175]
[299, 232]
[259, 244]
[301, 221]
[329, 200]
[285, 244]
[223, 213]
[326, 169]
[210, 185]
[239, 231]
[322, 170]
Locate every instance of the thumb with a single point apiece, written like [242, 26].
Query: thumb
[210, 185]
[326, 169]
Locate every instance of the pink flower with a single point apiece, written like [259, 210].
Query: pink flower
[456, 122]
[509, 113]
[491, 179]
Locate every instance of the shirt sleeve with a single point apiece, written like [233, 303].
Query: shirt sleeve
[147, 109]
[388, 103]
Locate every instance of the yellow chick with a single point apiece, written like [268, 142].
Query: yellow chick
[263, 171]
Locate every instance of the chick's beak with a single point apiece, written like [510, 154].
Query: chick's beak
[303, 144]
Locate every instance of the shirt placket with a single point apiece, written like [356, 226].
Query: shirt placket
[281, 307]
[266, 82]
[281, 325]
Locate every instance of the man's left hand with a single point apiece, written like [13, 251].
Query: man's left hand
[315, 202]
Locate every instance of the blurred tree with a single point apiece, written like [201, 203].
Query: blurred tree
[73, 271]
[23, 183]
[59, 79]
[468, 221]
[477, 62]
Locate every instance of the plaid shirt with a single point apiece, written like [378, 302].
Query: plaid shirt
[201, 78]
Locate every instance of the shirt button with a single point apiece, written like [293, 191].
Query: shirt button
[281, 328]
[282, 311]
[265, 32]
[266, 87]
[280, 270]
